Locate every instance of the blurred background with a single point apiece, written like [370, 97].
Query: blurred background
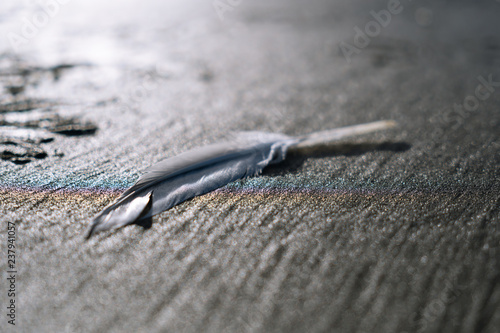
[391, 232]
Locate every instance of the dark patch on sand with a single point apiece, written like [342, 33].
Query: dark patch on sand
[21, 151]
[14, 80]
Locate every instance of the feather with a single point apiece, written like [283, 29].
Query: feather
[205, 169]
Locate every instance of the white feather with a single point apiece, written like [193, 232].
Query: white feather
[205, 169]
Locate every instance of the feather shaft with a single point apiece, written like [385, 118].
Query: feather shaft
[324, 137]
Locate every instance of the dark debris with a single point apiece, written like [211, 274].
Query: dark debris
[23, 105]
[72, 127]
[56, 124]
[21, 151]
[14, 79]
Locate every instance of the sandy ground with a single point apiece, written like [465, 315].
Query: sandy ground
[390, 232]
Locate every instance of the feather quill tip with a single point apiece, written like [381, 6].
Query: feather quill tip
[390, 123]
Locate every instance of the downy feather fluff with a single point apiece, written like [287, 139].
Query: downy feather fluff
[205, 169]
